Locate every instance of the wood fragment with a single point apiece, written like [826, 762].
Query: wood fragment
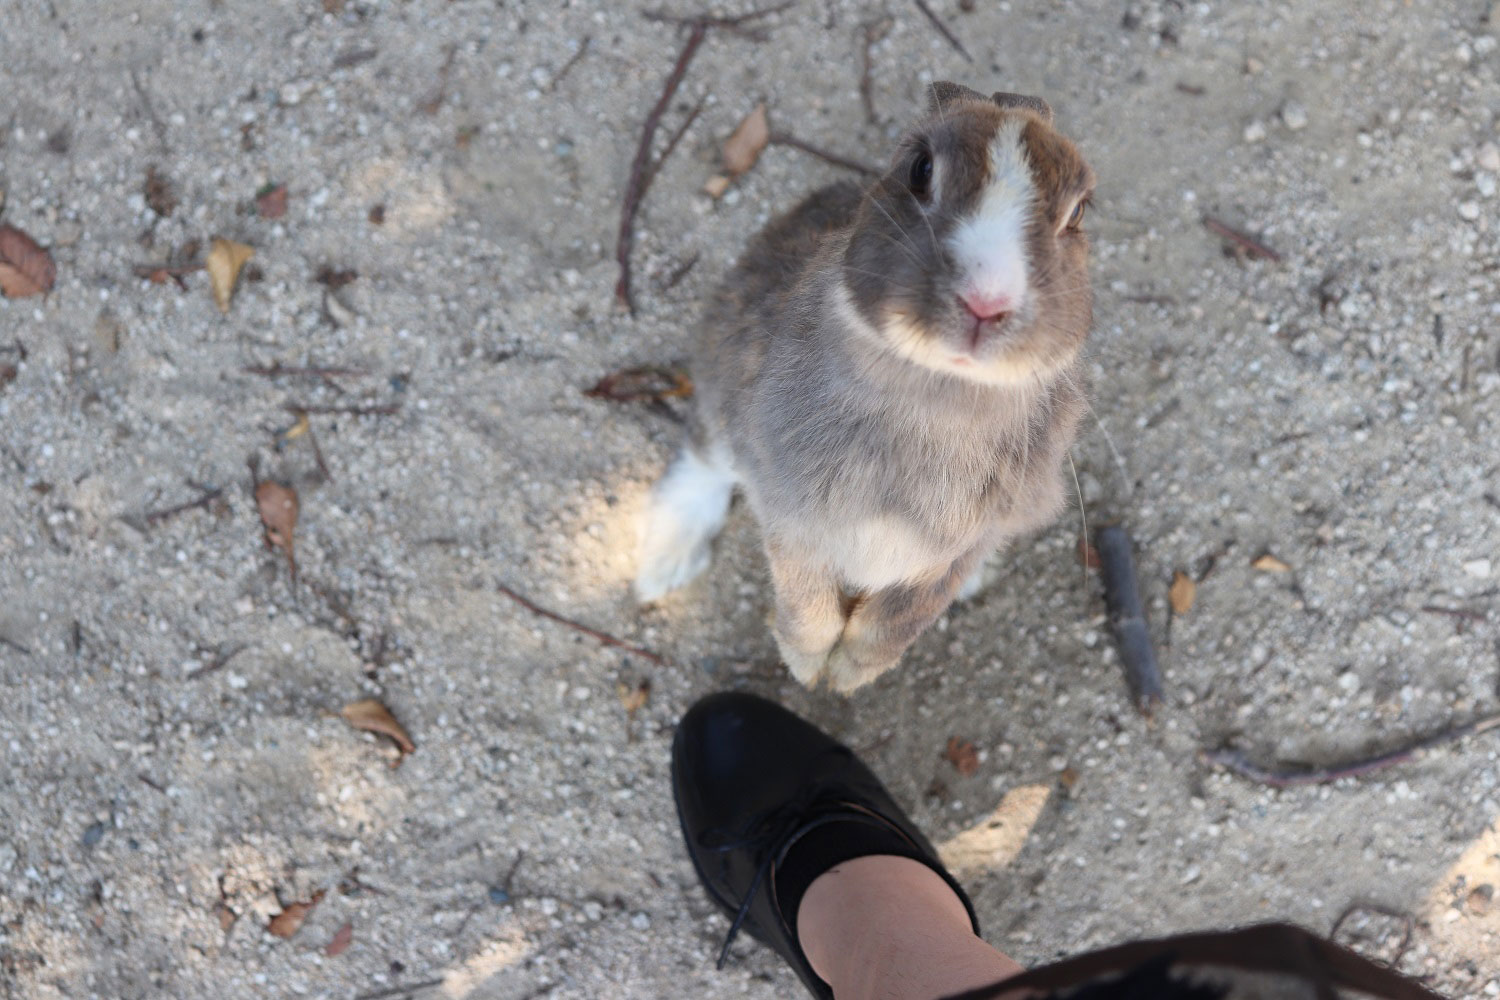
[1248, 245]
[647, 382]
[1122, 596]
[160, 274]
[316, 371]
[349, 409]
[574, 60]
[785, 139]
[594, 633]
[943, 29]
[1237, 763]
[1463, 614]
[206, 496]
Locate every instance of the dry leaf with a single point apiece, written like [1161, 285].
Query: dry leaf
[962, 755]
[278, 512]
[159, 194]
[373, 717]
[715, 186]
[270, 201]
[743, 148]
[25, 268]
[1270, 564]
[650, 382]
[634, 699]
[1068, 778]
[226, 917]
[289, 920]
[225, 258]
[1183, 593]
[340, 940]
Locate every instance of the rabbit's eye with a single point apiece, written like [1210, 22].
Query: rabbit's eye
[920, 179]
[1075, 218]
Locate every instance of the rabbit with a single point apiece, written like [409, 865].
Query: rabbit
[892, 378]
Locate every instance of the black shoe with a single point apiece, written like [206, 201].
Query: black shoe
[768, 803]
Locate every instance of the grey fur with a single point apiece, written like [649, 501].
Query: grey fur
[879, 484]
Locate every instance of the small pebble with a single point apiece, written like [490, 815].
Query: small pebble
[640, 921]
[499, 896]
[1488, 158]
[1255, 131]
[93, 834]
[1294, 116]
[1468, 211]
[1478, 568]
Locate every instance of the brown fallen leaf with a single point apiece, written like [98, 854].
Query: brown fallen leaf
[25, 268]
[633, 698]
[339, 941]
[649, 382]
[744, 146]
[226, 917]
[289, 920]
[962, 755]
[1268, 563]
[1182, 594]
[373, 717]
[225, 259]
[1068, 778]
[270, 201]
[8, 375]
[278, 512]
[159, 194]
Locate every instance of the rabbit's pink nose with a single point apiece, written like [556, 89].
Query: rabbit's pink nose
[984, 305]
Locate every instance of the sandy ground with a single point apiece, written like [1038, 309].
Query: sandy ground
[164, 799]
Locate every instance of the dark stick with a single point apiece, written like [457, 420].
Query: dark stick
[146, 780]
[396, 991]
[943, 29]
[783, 139]
[672, 142]
[374, 410]
[1122, 595]
[603, 637]
[318, 371]
[207, 495]
[583, 48]
[219, 662]
[6, 640]
[635, 188]
[1407, 925]
[680, 272]
[1234, 761]
[1463, 614]
[1249, 245]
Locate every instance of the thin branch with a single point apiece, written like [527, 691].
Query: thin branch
[219, 662]
[207, 495]
[352, 409]
[1249, 245]
[1462, 614]
[943, 29]
[1236, 762]
[316, 371]
[396, 991]
[577, 57]
[603, 637]
[6, 640]
[672, 142]
[783, 139]
[432, 105]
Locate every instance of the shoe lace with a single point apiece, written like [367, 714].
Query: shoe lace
[766, 835]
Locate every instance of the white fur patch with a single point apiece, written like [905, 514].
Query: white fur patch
[688, 507]
[880, 552]
[990, 246]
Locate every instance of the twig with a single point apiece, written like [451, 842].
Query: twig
[641, 169]
[356, 410]
[672, 142]
[219, 662]
[783, 139]
[315, 371]
[146, 780]
[1462, 614]
[874, 31]
[6, 640]
[312, 438]
[207, 495]
[1250, 246]
[574, 60]
[1122, 596]
[396, 991]
[1236, 762]
[1408, 924]
[603, 637]
[432, 105]
[943, 29]
[680, 272]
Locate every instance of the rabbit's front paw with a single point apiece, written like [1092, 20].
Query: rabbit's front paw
[851, 667]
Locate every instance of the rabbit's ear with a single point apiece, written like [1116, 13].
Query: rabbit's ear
[1035, 105]
[942, 93]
